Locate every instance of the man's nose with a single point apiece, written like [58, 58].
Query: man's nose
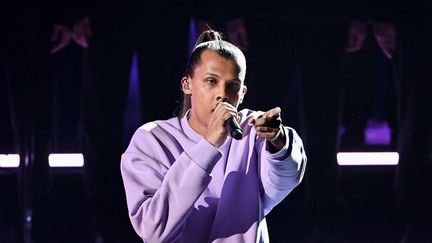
[222, 95]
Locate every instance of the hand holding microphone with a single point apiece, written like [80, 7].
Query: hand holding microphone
[222, 121]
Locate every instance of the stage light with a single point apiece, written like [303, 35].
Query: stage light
[9, 160]
[66, 160]
[367, 158]
[377, 133]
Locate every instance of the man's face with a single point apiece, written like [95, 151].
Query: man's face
[215, 79]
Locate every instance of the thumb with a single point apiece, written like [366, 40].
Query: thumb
[252, 120]
[275, 112]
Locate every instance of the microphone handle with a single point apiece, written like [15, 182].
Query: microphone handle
[234, 128]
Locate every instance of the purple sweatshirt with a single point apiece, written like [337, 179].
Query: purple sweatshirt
[180, 188]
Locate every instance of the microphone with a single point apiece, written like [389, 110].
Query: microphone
[234, 128]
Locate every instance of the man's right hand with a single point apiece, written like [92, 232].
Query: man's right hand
[217, 133]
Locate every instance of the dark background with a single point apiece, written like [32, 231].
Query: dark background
[296, 59]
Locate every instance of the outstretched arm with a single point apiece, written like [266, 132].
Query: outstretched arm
[282, 158]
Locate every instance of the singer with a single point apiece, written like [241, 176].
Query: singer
[186, 178]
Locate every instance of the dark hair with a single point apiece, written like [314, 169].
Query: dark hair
[213, 41]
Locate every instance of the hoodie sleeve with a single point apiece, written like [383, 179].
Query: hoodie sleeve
[161, 190]
[281, 172]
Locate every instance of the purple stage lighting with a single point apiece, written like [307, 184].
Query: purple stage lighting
[378, 133]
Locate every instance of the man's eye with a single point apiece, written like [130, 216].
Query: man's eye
[211, 81]
[234, 87]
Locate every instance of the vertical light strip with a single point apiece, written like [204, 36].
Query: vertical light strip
[9, 160]
[66, 160]
[368, 158]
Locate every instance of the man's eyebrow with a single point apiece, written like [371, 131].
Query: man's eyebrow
[213, 74]
[236, 80]
[217, 76]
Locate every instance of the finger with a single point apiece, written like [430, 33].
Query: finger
[223, 106]
[273, 122]
[251, 121]
[228, 116]
[268, 135]
[270, 114]
[223, 111]
[260, 120]
[266, 129]
[275, 112]
[254, 117]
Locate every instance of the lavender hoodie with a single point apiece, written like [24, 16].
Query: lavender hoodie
[180, 188]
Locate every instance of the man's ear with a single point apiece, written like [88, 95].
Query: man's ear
[186, 85]
[243, 93]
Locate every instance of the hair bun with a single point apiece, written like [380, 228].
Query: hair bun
[208, 35]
